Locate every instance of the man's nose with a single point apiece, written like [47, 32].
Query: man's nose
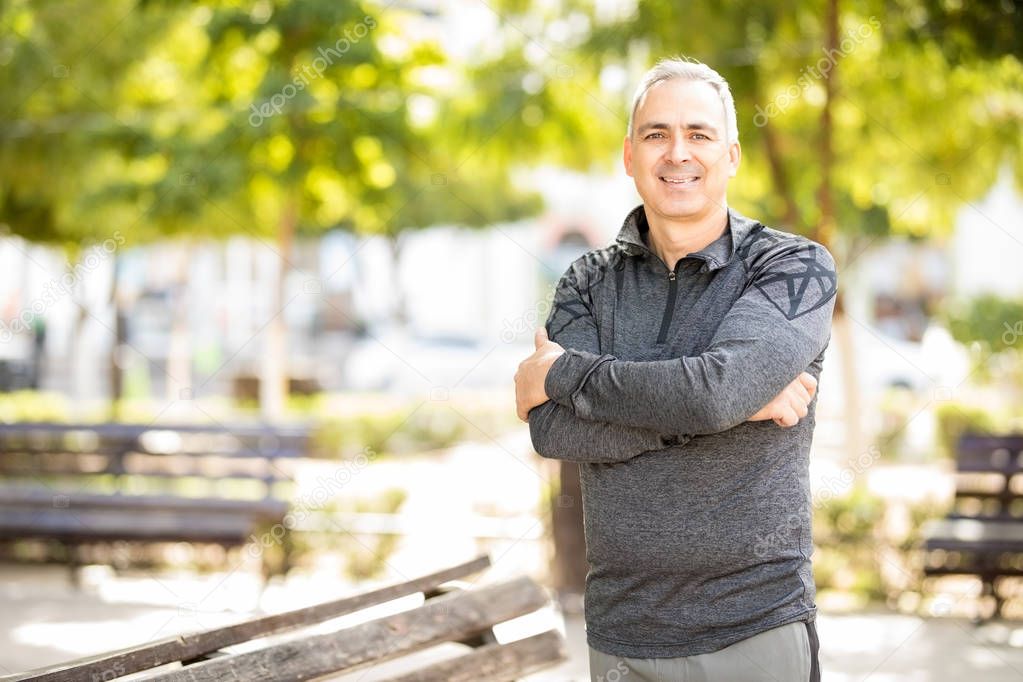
[678, 150]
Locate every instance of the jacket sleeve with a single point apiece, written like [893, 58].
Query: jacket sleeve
[776, 328]
[556, 432]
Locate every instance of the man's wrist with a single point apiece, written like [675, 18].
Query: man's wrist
[559, 383]
[569, 373]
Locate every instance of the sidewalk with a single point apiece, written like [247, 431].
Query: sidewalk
[45, 621]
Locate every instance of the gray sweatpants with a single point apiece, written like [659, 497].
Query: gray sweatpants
[783, 654]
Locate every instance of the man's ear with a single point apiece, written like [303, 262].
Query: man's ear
[734, 157]
[627, 155]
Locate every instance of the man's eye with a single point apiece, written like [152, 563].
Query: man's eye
[700, 136]
[654, 135]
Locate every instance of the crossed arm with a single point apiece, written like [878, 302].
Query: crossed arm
[588, 407]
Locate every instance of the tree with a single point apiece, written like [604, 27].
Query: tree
[63, 129]
[265, 119]
[315, 125]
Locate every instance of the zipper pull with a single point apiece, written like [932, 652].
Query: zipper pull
[671, 276]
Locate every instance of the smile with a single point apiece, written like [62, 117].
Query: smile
[680, 180]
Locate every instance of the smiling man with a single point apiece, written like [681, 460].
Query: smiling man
[679, 367]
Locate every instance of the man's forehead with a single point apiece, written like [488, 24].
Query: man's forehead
[681, 102]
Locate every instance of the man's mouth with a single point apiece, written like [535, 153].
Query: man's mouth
[680, 180]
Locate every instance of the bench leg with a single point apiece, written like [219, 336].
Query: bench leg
[482, 639]
[74, 564]
[988, 595]
[476, 641]
[287, 548]
[998, 599]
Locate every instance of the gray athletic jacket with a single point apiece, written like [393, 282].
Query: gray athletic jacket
[697, 522]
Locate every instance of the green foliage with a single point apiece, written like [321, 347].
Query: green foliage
[847, 531]
[954, 419]
[365, 557]
[959, 24]
[851, 518]
[993, 322]
[351, 435]
[219, 118]
[992, 328]
[65, 126]
[867, 547]
[404, 430]
[910, 115]
[33, 406]
[255, 117]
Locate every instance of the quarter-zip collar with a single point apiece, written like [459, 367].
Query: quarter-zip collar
[635, 231]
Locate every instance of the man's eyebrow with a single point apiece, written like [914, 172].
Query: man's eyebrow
[701, 125]
[694, 125]
[652, 125]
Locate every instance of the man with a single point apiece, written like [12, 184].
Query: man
[680, 372]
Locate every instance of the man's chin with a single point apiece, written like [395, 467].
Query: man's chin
[680, 209]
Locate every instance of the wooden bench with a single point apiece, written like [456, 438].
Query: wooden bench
[84, 484]
[983, 534]
[464, 617]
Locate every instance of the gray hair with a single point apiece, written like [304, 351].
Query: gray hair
[690, 70]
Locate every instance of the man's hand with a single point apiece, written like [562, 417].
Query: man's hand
[789, 406]
[529, 380]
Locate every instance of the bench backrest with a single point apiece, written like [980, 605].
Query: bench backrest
[253, 453]
[987, 486]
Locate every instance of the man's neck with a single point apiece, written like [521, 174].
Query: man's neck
[673, 240]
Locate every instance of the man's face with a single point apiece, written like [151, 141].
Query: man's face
[678, 154]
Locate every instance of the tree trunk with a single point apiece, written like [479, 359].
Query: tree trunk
[273, 377]
[401, 312]
[779, 175]
[568, 574]
[120, 338]
[179, 354]
[824, 232]
[80, 367]
[852, 403]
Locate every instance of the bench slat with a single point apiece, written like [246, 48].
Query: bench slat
[185, 647]
[975, 531]
[111, 451]
[27, 497]
[495, 662]
[1000, 454]
[120, 430]
[974, 569]
[451, 617]
[231, 528]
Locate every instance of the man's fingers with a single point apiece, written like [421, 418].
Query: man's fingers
[787, 417]
[807, 380]
[800, 393]
[800, 408]
[540, 337]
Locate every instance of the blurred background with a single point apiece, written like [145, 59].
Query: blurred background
[344, 220]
